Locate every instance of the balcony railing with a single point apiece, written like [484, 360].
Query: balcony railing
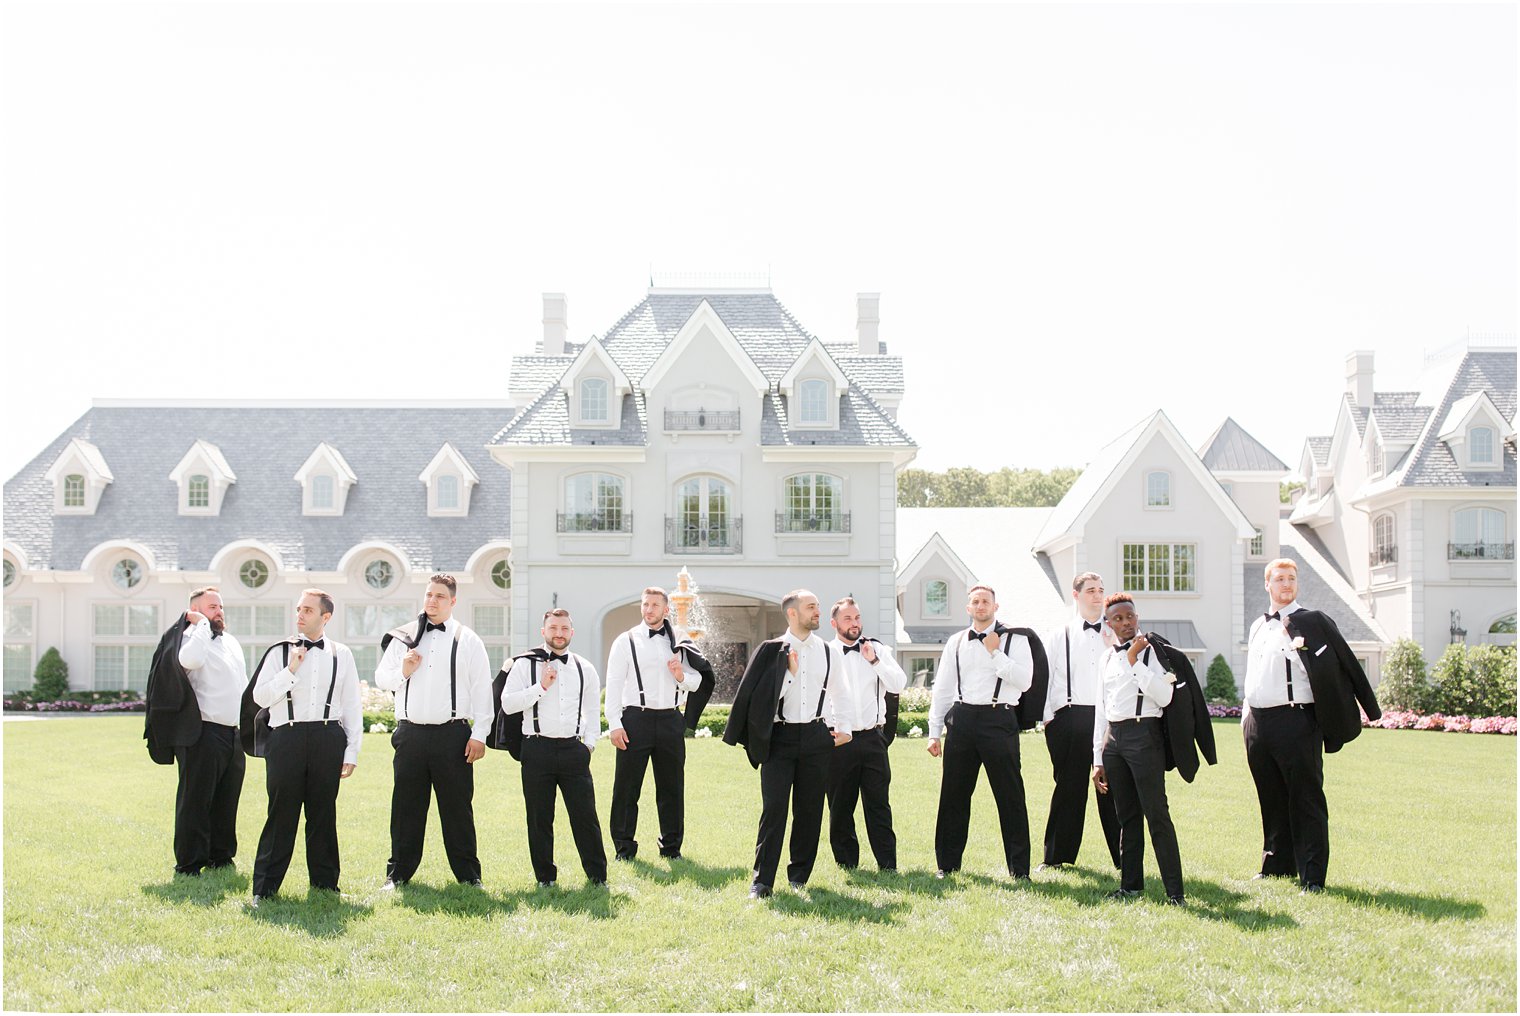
[1480, 551]
[702, 419]
[804, 522]
[701, 537]
[593, 522]
[1382, 555]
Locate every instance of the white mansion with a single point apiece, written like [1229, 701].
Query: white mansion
[707, 429]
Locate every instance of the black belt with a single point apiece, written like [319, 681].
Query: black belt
[651, 709]
[1136, 719]
[310, 723]
[983, 705]
[224, 726]
[797, 723]
[1286, 705]
[445, 723]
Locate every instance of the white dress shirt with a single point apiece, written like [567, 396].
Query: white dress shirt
[980, 673]
[571, 706]
[1269, 658]
[660, 690]
[1124, 682]
[217, 672]
[425, 696]
[304, 691]
[817, 660]
[871, 682]
[1085, 648]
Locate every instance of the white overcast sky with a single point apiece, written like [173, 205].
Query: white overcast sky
[1074, 214]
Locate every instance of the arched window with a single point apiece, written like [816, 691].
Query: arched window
[198, 491]
[447, 488]
[704, 521]
[1158, 489]
[813, 401]
[1504, 626]
[1384, 548]
[936, 598]
[1480, 446]
[814, 504]
[1479, 533]
[594, 400]
[594, 504]
[73, 491]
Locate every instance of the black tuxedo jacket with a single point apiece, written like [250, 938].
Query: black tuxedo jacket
[753, 713]
[409, 634]
[174, 714]
[253, 721]
[1339, 683]
[696, 701]
[1185, 720]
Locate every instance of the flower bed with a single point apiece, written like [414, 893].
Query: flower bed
[74, 706]
[1395, 719]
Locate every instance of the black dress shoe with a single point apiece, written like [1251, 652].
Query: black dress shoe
[759, 892]
[1312, 887]
[1023, 878]
[602, 882]
[1050, 866]
[622, 857]
[475, 882]
[1121, 894]
[1176, 901]
[546, 885]
[799, 886]
[674, 855]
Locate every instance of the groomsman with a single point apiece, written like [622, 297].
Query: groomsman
[646, 680]
[441, 675]
[791, 710]
[558, 694]
[982, 673]
[1304, 695]
[194, 698]
[1129, 752]
[1076, 652]
[860, 768]
[316, 726]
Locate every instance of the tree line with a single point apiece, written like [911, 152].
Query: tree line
[969, 487]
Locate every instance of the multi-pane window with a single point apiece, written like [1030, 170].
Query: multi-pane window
[594, 503]
[1384, 549]
[703, 514]
[73, 491]
[594, 400]
[936, 598]
[257, 627]
[1375, 460]
[322, 492]
[814, 503]
[126, 573]
[493, 623]
[19, 638]
[253, 573]
[1158, 489]
[501, 574]
[1258, 542]
[1479, 532]
[379, 574]
[1480, 445]
[124, 638]
[363, 625]
[813, 397]
[922, 674]
[446, 492]
[1160, 567]
[198, 491]
[10, 574]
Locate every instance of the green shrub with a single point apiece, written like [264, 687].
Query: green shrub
[1474, 681]
[1404, 685]
[51, 678]
[1219, 687]
[1494, 674]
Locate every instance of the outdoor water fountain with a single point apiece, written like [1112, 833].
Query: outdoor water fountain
[683, 600]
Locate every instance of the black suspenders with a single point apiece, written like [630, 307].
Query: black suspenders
[1288, 672]
[290, 700]
[1139, 694]
[1067, 633]
[998, 685]
[828, 665]
[406, 695]
[633, 650]
[580, 709]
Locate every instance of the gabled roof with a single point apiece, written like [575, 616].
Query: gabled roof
[814, 350]
[1461, 410]
[704, 318]
[448, 455]
[936, 545]
[862, 421]
[1400, 425]
[1111, 462]
[1489, 372]
[594, 350]
[86, 453]
[384, 445]
[1319, 447]
[547, 422]
[1231, 450]
[203, 451]
[326, 453]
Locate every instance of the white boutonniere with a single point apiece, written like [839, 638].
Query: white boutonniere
[1298, 642]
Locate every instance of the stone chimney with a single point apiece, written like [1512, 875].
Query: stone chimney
[556, 324]
[867, 321]
[1359, 377]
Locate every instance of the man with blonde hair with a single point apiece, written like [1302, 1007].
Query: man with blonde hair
[1304, 694]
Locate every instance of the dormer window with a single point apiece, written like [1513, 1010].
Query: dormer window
[936, 598]
[1158, 489]
[594, 400]
[204, 477]
[325, 478]
[78, 476]
[449, 479]
[1480, 446]
[813, 401]
[1375, 461]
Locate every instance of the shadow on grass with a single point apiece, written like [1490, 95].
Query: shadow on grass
[684, 870]
[832, 906]
[919, 881]
[321, 914]
[594, 901]
[1435, 908]
[207, 889]
[454, 898]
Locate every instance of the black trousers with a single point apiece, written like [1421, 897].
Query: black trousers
[429, 760]
[1068, 738]
[657, 735]
[860, 769]
[796, 771]
[1286, 753]
[301, 768]
[206, 802]
[981, 736]
[1134, 758]
[563, 763]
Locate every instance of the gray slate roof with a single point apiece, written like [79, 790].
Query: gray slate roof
[1182, 634]
[1400, 425]
[1431, 463]
[387, 449]
[764, 329]
[1319, 447]
[936, 635]
[547, 422]
[1231, 449]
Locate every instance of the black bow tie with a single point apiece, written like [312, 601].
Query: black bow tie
[855, 648]
[1274, 616]
[979, 635]
[1094, 625]
[309, 644]
[558, 658]
[430, 626]
[655, 633]
[1122, 649]
[215, 634]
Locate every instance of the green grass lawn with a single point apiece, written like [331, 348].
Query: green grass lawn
[1420, 913]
